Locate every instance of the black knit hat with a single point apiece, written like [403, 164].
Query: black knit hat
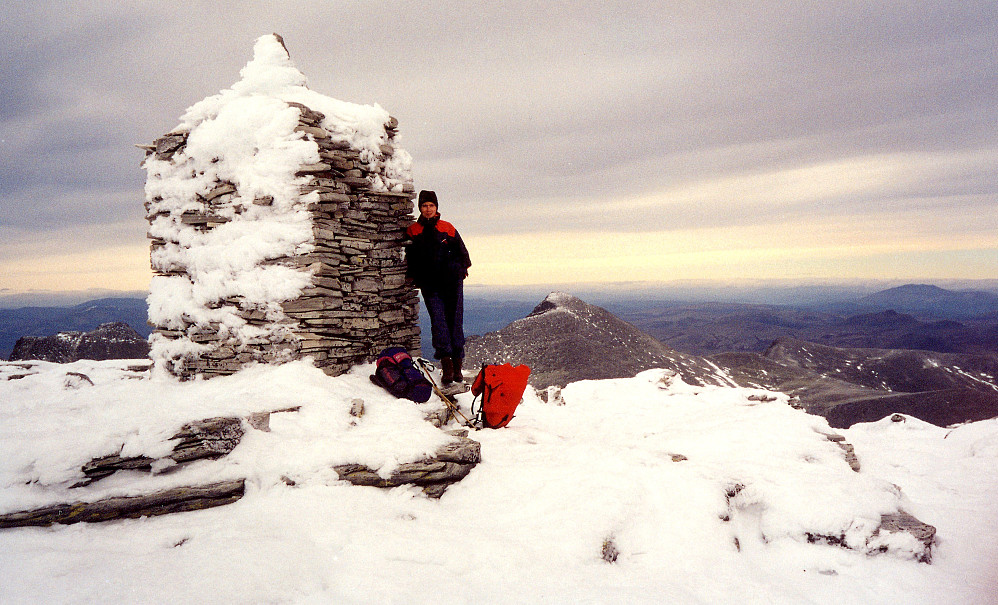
[427, 196]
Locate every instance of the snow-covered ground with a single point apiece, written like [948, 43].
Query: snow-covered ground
[706, 494]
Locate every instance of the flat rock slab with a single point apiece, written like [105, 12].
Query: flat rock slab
[207, 439]
[904, 522]
[899, 522]
[450, 464]
[178, 499]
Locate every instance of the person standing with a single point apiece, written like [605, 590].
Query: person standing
[437, 262]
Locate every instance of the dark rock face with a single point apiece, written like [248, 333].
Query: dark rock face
[115, 340]
[565, 339]
[941, 408]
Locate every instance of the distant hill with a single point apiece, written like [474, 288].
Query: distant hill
[84, 317]
[709, 328]
[933, 301]
[565, 339]
[712, 328]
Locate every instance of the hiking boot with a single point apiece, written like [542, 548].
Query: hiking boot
[447, 365]
[458, 375]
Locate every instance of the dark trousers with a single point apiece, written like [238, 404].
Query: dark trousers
[445, 306]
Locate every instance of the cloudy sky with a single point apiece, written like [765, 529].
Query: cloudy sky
[568, 141]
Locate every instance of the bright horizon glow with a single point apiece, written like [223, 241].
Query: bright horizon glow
[113, 268]
[900, 237]
[715, 255]
[830, 251]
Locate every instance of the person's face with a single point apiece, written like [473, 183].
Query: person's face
[428, 209]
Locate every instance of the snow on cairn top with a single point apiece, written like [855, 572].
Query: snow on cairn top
[271, 73]
[249, 137]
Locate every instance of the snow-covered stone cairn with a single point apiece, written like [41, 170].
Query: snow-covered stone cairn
[277, 218]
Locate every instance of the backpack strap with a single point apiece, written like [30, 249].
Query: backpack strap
[485, 395]
[479, 385]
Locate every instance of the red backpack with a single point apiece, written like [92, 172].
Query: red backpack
[501, 388]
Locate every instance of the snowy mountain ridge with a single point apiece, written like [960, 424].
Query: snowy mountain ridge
[565, 339]
[706, 493]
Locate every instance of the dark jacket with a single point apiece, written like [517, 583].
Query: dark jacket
[436, 257]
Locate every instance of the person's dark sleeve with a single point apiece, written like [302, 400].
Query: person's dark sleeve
[465, 257]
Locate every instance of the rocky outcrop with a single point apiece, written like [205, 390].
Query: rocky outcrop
[115, 340]
[43, 321]
[902, 522]
[214, 438]
[449, 465]
[893, 523]
[179, 499]
[207, 439]
[848, 450]
[877, 542]
[202, 440]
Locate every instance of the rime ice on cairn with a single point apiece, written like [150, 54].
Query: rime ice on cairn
[277, 218]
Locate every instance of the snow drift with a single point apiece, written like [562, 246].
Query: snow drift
[706, 495]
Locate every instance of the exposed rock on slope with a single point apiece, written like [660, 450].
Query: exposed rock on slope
[566, 339]
[907, 371]
[862, 385]
[114, 340]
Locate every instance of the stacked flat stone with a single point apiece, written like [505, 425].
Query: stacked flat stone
[358, 302]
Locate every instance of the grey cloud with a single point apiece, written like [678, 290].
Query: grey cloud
[539, 106]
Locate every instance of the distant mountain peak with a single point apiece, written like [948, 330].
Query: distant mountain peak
[557, 300]
[919, 288]
[565, 339]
